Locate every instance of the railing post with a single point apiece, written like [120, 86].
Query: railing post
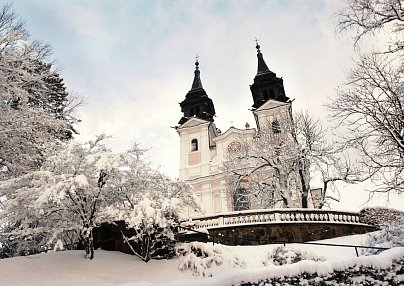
[221, 220]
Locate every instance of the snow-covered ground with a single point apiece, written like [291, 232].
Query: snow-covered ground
[114, 268]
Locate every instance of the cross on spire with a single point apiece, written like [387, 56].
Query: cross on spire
[196, 57]
[256, 40]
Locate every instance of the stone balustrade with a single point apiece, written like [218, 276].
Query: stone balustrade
[273, 216]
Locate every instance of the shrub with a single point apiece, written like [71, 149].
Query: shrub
[287, 255]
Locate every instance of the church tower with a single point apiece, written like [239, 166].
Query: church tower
[266, 84]
[197, 148]
[196, 102]
[271, 107]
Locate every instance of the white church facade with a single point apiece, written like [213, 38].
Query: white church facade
[203, 148]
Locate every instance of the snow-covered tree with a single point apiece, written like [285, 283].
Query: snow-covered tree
[277, 167]
[35, 109]
[150, 204]
[370, 103]
[67, 194]
[84, 185]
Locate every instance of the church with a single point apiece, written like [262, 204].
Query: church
[204, 148]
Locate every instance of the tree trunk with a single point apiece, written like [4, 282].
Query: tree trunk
[304, 189]
[146, 248]
[89, 241]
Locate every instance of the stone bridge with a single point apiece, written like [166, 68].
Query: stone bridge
[274, 225]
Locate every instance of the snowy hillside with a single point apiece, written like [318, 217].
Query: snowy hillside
[114, 268]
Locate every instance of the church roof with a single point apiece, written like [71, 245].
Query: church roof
[262, 66]
[196, 102]
[197, 83]
[266, 84]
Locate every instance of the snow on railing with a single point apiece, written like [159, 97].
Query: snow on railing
[274, 216]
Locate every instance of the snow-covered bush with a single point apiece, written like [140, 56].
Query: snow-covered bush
[379, 216]
[154, 226]
[287, 255]
[199, 258]
[391, 235]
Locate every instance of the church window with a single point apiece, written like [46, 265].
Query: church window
[276, 127]
[240, 200]
[194, 145]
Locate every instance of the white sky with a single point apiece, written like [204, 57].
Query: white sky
[133, 62]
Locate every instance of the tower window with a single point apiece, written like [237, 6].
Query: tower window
[276, 127]
[194, 145]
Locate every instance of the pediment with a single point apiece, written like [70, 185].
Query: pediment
[192, 122]
[270, 104]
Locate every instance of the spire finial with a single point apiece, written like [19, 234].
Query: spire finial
[257, 45]
[197, 80]
[196, 63]
[262, 66]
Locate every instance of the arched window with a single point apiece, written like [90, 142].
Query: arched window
[240, 200]
[276, 127]
[194, 145]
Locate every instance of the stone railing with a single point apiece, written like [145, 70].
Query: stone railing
[272, 216]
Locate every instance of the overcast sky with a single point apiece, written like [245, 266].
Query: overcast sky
[133, 62]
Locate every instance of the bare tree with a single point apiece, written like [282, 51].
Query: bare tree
[370, 103]
[369, 16]
[277, 167]
[264, 168]
[370, 106]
